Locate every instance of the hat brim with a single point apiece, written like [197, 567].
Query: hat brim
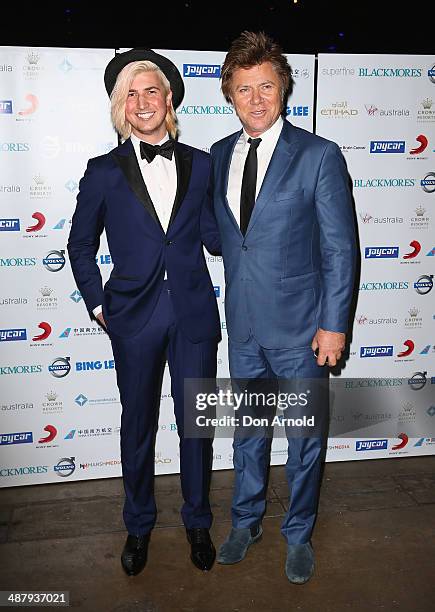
[168, 68]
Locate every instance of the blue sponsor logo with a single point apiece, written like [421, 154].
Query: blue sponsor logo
[376, 351]
[297, 111]
[12, 335]
[431, 253]
[81, 399]
[76, 296]
[104, 260]
[70, 435]
[387, 146]
[369, 445]
[390, 252]
[89, 366]
[65, 333]
[22, 437]
[210, 71]
[9, 225]
[60, 224]
[5, 107]
[217, 290]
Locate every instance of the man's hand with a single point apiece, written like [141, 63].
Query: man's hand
[100, 318]
[330, 345]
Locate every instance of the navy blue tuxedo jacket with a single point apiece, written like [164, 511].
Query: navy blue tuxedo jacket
[114, 197]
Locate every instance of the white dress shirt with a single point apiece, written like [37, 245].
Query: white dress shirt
[160, 177]
[269, 138]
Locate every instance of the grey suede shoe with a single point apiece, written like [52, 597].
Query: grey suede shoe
[299, 566]
[236, 546]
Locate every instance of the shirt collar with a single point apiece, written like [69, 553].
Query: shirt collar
[270, 136]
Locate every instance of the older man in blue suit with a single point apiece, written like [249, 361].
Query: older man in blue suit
[150, 195]
[284, 209]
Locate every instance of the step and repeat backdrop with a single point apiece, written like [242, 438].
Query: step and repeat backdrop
[59, 404]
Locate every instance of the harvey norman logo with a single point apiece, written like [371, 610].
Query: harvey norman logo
[210, 71]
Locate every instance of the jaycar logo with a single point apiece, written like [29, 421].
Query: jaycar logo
[211, 71]
[369, 445]
[387, 252]
[376, 351]
[387, 146]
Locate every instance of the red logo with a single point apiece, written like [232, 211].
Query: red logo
[52, 431]
[40, 222]
[423, 144]
[32, 105]
[401, 444]
[46, 327]
[416, 248]
[410, 347]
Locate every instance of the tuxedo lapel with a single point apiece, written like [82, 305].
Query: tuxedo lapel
[225, 173]
[126, 159]
[183, 163]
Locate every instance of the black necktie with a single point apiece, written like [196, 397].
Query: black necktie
[149, 151]
[249, 184]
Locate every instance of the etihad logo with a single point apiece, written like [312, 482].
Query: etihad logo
[390, 72]
[339, 110]
[210, 71]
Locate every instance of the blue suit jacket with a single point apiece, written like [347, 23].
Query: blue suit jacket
[293, 271]
[114, 197]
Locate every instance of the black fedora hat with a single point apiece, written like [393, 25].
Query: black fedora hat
[137, 54]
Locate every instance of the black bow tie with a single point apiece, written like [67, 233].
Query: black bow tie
[149, 151]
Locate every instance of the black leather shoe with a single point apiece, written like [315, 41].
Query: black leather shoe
[134, 555]
[203, 552]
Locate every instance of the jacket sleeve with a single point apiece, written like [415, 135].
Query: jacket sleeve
[84, 239]
[335, 216]
[208, 225]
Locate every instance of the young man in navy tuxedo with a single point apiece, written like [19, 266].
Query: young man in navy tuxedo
[150, 196]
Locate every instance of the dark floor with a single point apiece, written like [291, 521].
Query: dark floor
[374, 543]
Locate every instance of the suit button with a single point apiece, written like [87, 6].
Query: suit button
[244, 248]
[168, 242]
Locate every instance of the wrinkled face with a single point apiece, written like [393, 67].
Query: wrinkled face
[146, 107]
[256, 96]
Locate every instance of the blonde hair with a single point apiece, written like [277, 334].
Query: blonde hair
[119, 95]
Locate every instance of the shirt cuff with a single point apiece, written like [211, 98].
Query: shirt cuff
[97, 310]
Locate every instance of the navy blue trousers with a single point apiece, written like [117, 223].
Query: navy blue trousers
[139, 362]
